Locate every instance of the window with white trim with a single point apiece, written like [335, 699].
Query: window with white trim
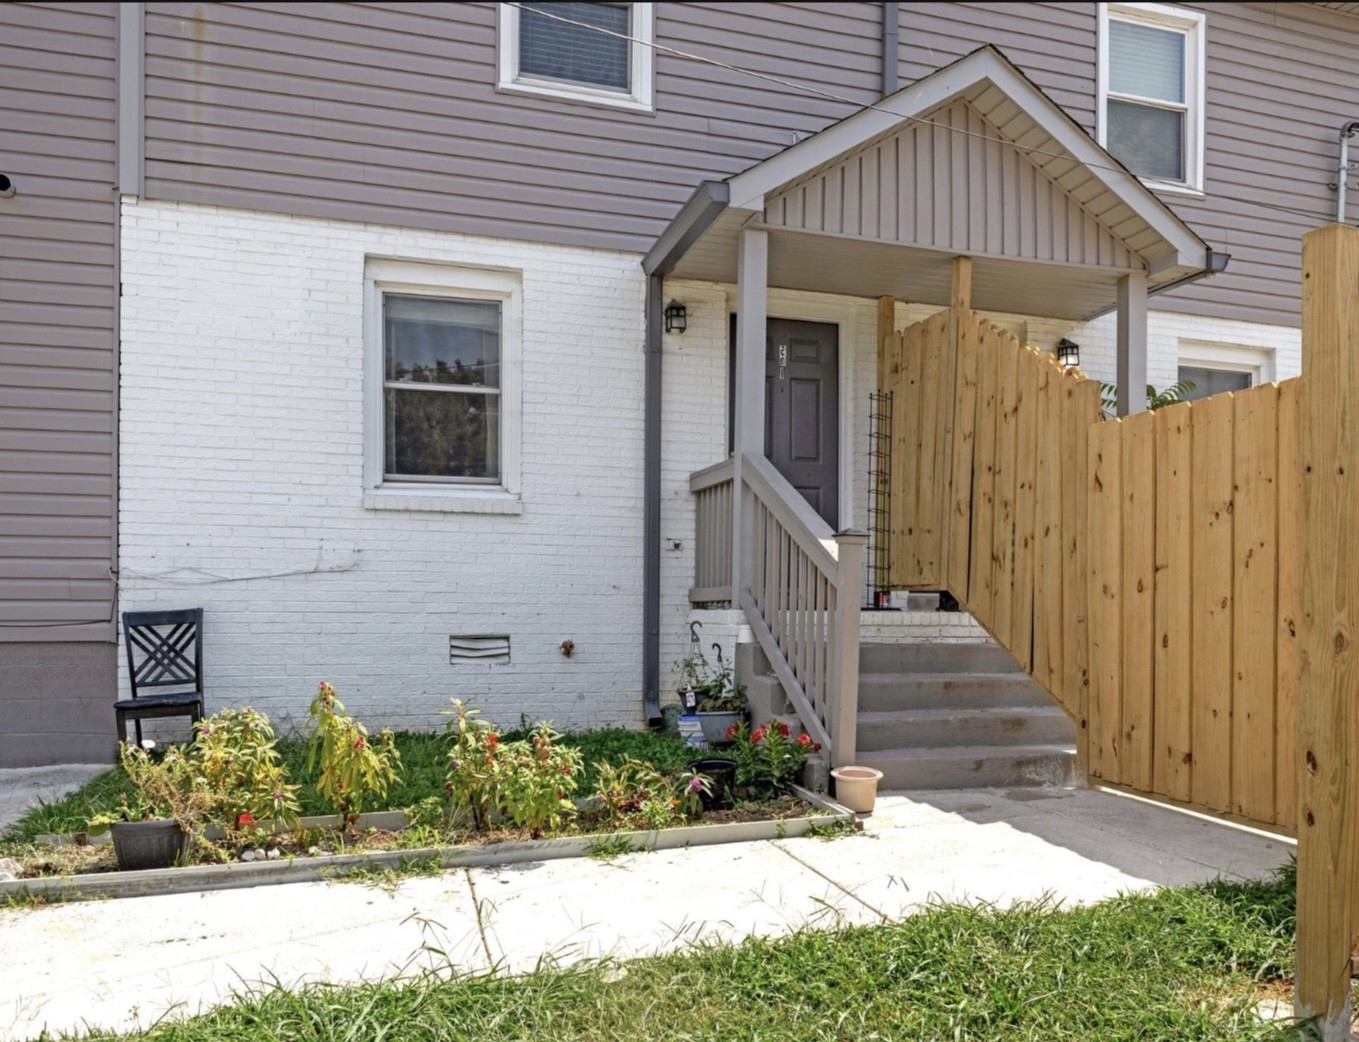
[1215, 368]
[1150, 114]
[595, 52]
[442, 378]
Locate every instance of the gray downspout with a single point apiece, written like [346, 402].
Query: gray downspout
[651, 508]
[1341, 182]
[891, 46]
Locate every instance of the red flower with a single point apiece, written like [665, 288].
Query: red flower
[804, 739]
[731, 733]
[243, 819]
[816, 747]
[758, 736]
[783, 729]
[492, 739]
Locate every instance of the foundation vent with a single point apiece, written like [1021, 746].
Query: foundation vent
[471, 648]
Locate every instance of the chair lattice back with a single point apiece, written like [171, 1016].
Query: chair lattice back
[164, 648]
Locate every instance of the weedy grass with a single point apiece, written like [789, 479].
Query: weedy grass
[1183, 964]
[423, 761]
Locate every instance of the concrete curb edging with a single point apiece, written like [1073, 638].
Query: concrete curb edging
[240, 874]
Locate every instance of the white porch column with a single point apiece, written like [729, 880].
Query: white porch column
[1132, 344]
[752, 283]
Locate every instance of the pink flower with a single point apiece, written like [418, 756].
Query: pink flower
[804, 739]
[695, 784]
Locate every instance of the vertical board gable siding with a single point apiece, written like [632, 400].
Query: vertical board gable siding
[389, 114]
[1278, 92]
[928, 186]
[57, 338]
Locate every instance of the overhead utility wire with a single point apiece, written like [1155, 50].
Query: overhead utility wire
[876, 106]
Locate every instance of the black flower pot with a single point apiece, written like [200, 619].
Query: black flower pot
[148, 844]
[723, 774]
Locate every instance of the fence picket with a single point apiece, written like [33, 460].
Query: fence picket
[1173, 633]
[1105, 467]
[1254, 600]
[1138, 585]
[1211, 600]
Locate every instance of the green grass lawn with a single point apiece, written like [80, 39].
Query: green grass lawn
[423, 757]
[1183, 964]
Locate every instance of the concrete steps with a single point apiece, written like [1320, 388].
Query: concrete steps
[941, 716]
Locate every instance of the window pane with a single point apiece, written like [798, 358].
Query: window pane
[1146, 61]
[1149, 141]
[553, 50]
[1212, 381]
[434, 340]
[442, 434]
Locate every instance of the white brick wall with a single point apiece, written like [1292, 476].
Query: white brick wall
[241, 467]
[241, 458]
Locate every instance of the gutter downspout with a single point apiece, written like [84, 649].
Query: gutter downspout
[1214, 262]
[651, 507]
[1346, 132]
[891, 45]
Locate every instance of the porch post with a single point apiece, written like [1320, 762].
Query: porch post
[752, 282]
[1132, 344]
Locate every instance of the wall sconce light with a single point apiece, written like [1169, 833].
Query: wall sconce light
[6, 187]
[1068, 353]
[676, 317]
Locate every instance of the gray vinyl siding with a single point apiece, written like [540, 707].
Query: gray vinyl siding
[1282, 80]
[1054, 44]
[389, 113]
[57, 341]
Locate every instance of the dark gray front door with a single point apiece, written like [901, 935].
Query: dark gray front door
[802, 415]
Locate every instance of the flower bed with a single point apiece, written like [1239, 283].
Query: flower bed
[502, 796]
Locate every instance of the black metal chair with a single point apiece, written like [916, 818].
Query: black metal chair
[164, 651]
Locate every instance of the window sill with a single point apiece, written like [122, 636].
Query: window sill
[629, 102]
[445, 501]
[1170, 188]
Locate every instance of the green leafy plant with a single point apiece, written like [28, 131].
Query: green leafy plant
[769, 759]
[622, 788]
[1172, 395]
[162, 788]
[235, 752]
[475, 766]
[352, 768]
[690, 788]
[539, 777]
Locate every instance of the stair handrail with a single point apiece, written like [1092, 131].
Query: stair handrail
[799, 588]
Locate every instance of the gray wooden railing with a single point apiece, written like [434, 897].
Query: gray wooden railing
[799, 590]
[712, 491]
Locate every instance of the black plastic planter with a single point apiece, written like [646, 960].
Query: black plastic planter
[723, 773]
[148, 844]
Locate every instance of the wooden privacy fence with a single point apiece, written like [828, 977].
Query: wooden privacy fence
[1144, 572]
[987, 486]
[1195, 587]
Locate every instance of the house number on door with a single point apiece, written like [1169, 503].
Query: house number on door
[783, 359]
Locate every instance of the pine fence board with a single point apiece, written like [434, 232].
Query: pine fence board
[1138, 522]
[1173, 634]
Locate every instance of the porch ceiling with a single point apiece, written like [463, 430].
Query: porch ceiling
[972, 160]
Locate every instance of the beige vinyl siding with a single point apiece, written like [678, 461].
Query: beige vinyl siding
[57, 345]
[389, 113]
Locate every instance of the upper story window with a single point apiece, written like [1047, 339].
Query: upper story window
[441, 409]
[595, 52]
[1151, 92]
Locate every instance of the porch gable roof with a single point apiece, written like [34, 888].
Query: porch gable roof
[971, 160]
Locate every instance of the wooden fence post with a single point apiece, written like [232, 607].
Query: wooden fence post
[1328, 716]
[844, 651]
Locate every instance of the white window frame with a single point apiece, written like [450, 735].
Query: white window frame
[1192, 24]
[416, 278]
[641, 64]
[1258, 362]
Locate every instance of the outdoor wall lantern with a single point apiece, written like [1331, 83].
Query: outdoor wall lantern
[1068, 353]
[676, 317]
